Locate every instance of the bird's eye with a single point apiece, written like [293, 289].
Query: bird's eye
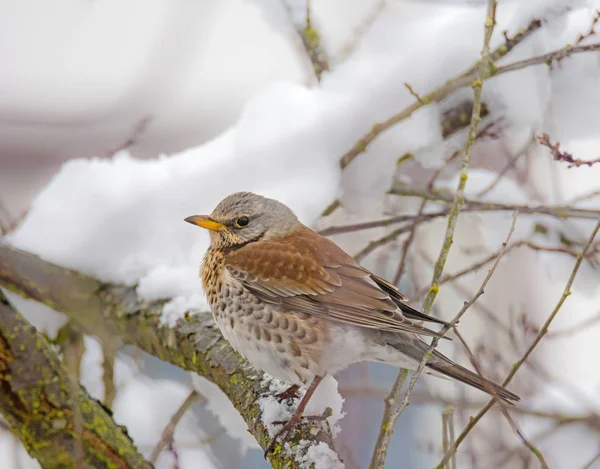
[242, 221]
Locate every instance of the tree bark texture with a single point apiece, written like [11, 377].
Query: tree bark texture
[58, 422]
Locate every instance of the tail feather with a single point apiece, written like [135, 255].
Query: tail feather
[459, 373]
[439, 363]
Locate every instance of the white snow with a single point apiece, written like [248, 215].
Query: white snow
[319, 456]
[145, 406]
[325, 396]
[126, 222]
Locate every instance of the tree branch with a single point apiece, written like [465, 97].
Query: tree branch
[56, 420]
[193, 343]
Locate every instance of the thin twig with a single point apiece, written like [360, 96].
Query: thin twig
[526, 243]
[73, 348]
[564, 156]
[560, 211]
[534, 450]
[592, 462]
[138, 130]
[450, 87]
[544, 330]
[167, 434]
[579, 327]
[582, 197]
[592, 31]
[435, 341]
[448, 432]
[411, 236]
[512, 162]
[391, 236]
[483, 73]
[383, 438]
[360, 31]
[406, 245]
[438, 94]
[312, 44]
[108, 374]
[388, 422]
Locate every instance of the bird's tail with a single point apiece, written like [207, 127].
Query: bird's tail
[444, 366]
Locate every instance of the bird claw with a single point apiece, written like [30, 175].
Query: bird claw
[289, 393]
[284, 434]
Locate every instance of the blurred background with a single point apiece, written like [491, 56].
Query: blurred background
[225, 91]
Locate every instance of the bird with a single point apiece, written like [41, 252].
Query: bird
[296, 306]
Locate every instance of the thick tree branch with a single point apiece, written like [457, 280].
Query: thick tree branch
[194, 343]
[57, 421]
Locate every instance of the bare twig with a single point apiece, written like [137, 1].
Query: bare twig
[414, 94]
[579, 327]
[534, 450]
[406, 245]
[378, 458]
[592, 31]
[509, 165]
[558, 155]
[312, 44]
[360, 31]
[391, 236]
[583, 197]
[413, 230]
[438, 94]
[138, 131]
[592, 462]
[448, 432]
[108, 374]
[560, 211]
[332, 207]
[478, 265]
[435, 341]
[450, 87]
[167, 434]
[544, 330]
[72, 347]
[483, 73]
[383, 438]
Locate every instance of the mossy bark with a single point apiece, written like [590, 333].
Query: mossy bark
[58, 422]
[193, 343]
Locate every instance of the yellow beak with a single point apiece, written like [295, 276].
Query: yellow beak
[204, 221]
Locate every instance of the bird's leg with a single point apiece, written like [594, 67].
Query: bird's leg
[296, 416]
[289, 393]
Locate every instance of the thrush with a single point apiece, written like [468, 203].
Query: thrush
[296, 306]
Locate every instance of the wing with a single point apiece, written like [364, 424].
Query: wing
[401, 300]
[306, 272]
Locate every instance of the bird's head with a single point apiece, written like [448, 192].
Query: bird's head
[244, 217]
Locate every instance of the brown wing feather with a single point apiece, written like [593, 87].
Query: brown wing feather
[306, 272]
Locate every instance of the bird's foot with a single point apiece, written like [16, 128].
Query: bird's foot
[285, 433]
[289, 393]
